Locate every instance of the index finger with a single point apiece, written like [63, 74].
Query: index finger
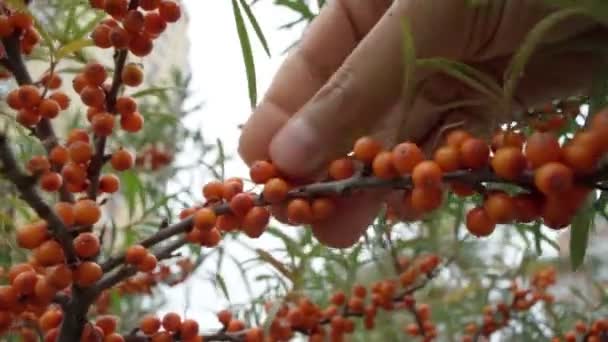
[329, 40]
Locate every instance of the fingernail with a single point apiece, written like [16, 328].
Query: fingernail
[296, 149]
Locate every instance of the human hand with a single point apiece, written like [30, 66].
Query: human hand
[345, 80]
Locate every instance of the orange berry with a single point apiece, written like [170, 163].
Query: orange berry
[135, 254]
[479, 223]
[149, 5]
[77, 134]
[527, 207]
[59, 276]
[13, 100]
[275, 190]
[114, 337]
[341, 169]
[448, 158]
[117, 8]
[261, 171]
[427, 174]
[255, 221]
[457, 137]
[189, 329]
[95, 74]
[101, 36]
[553, 178]
[169, 11]
[6, 26]
[73, 173]
[80, 152]
[125, 105]
[122, 160]
[132, 122]
[29, 96]
[204, 219]
[509, 163]
[228, 223]
[49, 253]
[98, 4]
[213, 191]
[32, 235]
[49, 108]
[38, 165]
[224, 317]
[16, 269]
[383, 166]
[51, 181]
[87, 273]
[44, 291]
[412, 329]
[86, 212]
[132, 75]
[28, 117]
[107, 323]
[21, 20]
[210, 238]
[322, 209]
[93, 96]
[109, 183]
[499, 207]
[119, 38]
[338, 298]
[86, 245]
[24, 283]
[542, 148]
[134, 21]
[406, 156]
[79, 82]
[366, 149]
[8, 297]
[148, 263]
[103, 124]
[59, 155]
[359, 291]
[580, 158]
[241, 203]
[140, 45]
[154, 24]
[172, 322]
[474, 153]
[299, 211]
[50, 319]
[426, 199]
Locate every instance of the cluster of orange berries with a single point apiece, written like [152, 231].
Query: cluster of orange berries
[153, 158]
[130, 28]
[22, 22]
[498, 316]
[104, 328]
[596, 331]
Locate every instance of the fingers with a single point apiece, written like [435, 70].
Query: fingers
[329, 40]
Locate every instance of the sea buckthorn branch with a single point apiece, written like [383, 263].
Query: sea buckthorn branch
[27, 188]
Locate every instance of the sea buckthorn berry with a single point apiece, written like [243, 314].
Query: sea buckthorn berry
[232, 187]
[103, 124]
[51, 181]
[154, 24]
[322, 209]
[499, 207]
[38, 164]
[29, 96]
[134, 21]
[44, 291]
[32, 235]
[122, 160]
[101, 36]
[86, 245]
[77, 134]
[359, 291]
[73, 173]
[382, 166]
[228, 223]
[109, 183]
[93, 96]
[204, 219]
[59, 155]
[213, 191]
[87, 273]
[59, 276]
[275, 190]
[119, 38]
[479, 223]
[255, 221]
[553, 178]
[149, 5]
[132, 75]
[241, 203]
[25, 282]
[97, 4]
[125, 105]
[189, 329]
[580, 158]
[95, 74]
[474, 153]
[426, 199]
[17, 269]
[13, 100]
[6, 26]
[22, 20]
[224, 317]
[261, 171]
[366, 149]
[86, 212]
[50, 319]
[79, 82]
[509, 163]
[117, 8]
[169, 10]
[49, 253]
[135, 254]
[457, 137]
[8, 297]
[427, 174]
[341, 168]
[132, 122]
[28, 117]
[448, 158]
[80, 152]
[49, 108]
[299, 211]
[172, 322]
[210, 238]
[406, 156]
[107, 323]
[140, 45]
[542, 148]
[148, 263]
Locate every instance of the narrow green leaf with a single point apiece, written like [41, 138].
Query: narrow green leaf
[222, 285]
[73, 46]
[256, 26]
[154, 91]
[579, 234]
[131, 187]
[299, 7]
[538, 237]
[247, 53]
